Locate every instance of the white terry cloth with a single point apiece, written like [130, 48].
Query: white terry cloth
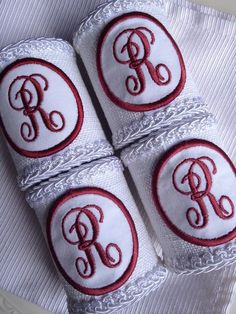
[207, 40]
[96, 237]
[47, 116]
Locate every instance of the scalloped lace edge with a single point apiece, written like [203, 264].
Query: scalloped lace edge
[167, 136]
[122, 297]
[41, 170]
[105, 10]
[24, 47]
[208, 261]
[175, 112]
[75, 176]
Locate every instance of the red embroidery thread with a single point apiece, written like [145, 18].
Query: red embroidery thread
[84, 244]
[105, 255]
[29, 110]
[196, 193]
[135, 62]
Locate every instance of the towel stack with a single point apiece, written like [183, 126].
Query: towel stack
[167, 135]
[72, 180]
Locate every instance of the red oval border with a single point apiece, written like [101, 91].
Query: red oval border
[148, 106]
[174, 150]
[133, 262]
[74, 133]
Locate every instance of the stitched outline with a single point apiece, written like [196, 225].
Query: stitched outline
[116, 100]
[70, 138]
[161, 164]
[97, 191]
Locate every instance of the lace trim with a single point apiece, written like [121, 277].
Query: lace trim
[26, 47]
[102, 12]
[208, 261]
[73, 177]
[62, 162]
[177, 111]
[167, 136]
[122, 297]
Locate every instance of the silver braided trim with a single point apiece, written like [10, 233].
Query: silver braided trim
[175, 112]
[213, 259]
[168, 136]
[72, 178]
[64, 161]
[122, 297]
[27, 47]
[104, 11]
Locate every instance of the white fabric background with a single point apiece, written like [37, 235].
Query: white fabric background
[207, 39]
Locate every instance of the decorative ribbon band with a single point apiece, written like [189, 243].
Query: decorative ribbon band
[26, 47]
[214, 258]
[68, 159]
[117, 299]
[105, 10]
[72, 177]
[179, 110]
[169, 135]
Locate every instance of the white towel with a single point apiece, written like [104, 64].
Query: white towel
[46, 114]
[136, 67]
[97, 238]
[187, 185]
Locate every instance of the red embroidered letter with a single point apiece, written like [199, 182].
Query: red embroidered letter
[199, 180]
[93, 240]
[87, 236]
[41, 111]
[194, 192]
[136, 50]
[31, 94]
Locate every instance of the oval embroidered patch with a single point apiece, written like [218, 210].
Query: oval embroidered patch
[93, 240]
[41, 111]
[139, 64]
[194, 189]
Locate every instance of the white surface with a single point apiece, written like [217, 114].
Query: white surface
[220, 96]
[224, 5]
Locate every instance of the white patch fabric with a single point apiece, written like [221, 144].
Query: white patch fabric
[194, 191]
[138, 51]
[93, 259]
[41, 110]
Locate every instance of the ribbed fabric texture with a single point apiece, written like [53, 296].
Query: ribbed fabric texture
[207, 39]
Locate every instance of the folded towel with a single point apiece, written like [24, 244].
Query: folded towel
[46, 112]
[187, 185]
[96, 237]
[136, 68]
